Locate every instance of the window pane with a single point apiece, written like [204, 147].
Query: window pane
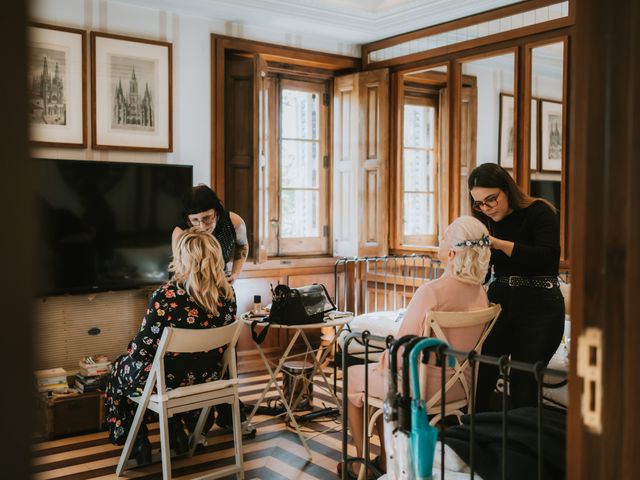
[299, 216]
[419, 214]
[418, 126]
[418, 170]
[300, 164]
[299, 114]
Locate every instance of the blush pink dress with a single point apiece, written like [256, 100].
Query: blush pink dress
[446, 294]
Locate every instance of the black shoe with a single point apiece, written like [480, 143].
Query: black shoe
[224, 420]
[142, 449]
[350, 474]
[248, 429]
[178, 438]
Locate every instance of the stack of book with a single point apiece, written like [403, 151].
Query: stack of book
[51, 379]
[94, 365]
[91, 383]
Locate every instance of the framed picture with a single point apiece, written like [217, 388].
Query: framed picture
[551, 132]
[131, 99]
[505, 131]
[57, 86]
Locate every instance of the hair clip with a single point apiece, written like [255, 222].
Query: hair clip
[481, 242]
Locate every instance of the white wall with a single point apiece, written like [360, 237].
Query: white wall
[191, 75]
[190, 36]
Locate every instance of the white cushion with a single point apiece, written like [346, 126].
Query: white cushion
[380, 324]
[195, 389]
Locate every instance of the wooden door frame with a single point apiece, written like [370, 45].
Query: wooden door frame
[606, 258]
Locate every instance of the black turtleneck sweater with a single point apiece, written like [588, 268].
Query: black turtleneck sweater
[535, 232]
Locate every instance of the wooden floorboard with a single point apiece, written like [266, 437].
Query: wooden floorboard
[276, 452]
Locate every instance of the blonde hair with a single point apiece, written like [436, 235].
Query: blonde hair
[465, 236]
[198, 267]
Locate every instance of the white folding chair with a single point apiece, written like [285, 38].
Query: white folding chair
[167, 403]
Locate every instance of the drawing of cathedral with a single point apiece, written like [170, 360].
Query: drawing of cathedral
[131, 109]
[47, 97]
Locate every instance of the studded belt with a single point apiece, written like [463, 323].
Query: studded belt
[538, 282]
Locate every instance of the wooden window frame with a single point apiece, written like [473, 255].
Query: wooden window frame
[565, 225]
[471, 20]
[281, 59]
[522, 96]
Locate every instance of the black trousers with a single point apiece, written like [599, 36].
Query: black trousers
[530, 329]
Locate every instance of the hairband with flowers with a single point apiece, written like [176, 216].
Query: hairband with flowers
[481, 242]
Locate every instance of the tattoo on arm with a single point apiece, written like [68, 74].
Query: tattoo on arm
[242, 244]
[241, 251]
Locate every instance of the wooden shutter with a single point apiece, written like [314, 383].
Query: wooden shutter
[361, 157]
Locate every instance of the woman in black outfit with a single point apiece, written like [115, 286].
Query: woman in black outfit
[525, 255]
[203, 210]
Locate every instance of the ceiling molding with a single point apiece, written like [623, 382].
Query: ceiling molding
[352, 21]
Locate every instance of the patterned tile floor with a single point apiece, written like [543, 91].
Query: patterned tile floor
[274, 454]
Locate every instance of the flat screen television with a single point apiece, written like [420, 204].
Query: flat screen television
[105, 225]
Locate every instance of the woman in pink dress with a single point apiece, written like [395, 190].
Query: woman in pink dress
[465, 254]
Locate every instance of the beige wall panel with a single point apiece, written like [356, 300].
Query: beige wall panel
[62, 324]
[245, 289]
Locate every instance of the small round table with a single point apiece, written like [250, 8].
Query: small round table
[336, 320]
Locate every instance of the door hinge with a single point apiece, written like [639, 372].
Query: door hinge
[325, 231]
[325, 161]
[590, 369]
[325, 99]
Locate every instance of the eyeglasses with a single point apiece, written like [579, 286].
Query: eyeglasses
[206, 220]
[489, 202]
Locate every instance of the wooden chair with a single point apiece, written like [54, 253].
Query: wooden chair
[203, 396]
[464, 331]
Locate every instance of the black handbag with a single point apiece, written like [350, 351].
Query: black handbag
[295, 306]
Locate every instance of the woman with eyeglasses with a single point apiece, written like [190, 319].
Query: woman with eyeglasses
[202, 209]
[525, 256]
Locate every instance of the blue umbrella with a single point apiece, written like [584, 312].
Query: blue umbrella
[423, 435]
[404, 465]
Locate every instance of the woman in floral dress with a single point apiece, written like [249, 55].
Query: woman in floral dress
[198, 296]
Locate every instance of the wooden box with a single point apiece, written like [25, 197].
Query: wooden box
[60, 416]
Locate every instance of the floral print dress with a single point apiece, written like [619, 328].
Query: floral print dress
[169, 306]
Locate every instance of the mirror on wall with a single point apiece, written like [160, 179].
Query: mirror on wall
[486, 116]
[547, 91]
[421, 156]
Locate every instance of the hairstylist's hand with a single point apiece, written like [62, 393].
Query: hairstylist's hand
[232, 278]
[504, 246]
